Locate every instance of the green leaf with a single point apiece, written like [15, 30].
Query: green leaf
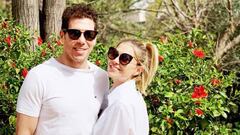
[223, 94]
[169, 94]
[224, 114]
[179, 111]
[182, 117]
[12, 120]
[17, 70]
[204, 123]
[216, 96]
[216, 113]
[154, 129]
[226, 109]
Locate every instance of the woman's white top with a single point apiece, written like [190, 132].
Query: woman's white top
[126, 113]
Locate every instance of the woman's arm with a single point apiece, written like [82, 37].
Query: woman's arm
[115, 120]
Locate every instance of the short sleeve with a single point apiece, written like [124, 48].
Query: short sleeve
[30, 96]
[113, 121]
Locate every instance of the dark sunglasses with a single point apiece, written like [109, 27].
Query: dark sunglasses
[74, 34]
[124, 58]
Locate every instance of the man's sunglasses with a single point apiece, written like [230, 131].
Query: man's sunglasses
[74, 34]
[124, 58]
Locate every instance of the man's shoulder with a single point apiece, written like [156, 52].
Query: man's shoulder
[43, 68]
[101, 76]
[98, 69]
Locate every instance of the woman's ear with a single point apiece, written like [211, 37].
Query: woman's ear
[139, 70]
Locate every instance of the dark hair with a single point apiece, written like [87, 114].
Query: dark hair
[78, 11]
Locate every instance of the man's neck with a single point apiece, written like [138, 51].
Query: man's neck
[73, 64]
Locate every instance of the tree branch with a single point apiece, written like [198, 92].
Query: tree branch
[230, 63]
[186, 3]
[177, 7]
[167, 8]
[130, 10]
[122, 31]
[222, 46]
[232, 44]
[230, 13]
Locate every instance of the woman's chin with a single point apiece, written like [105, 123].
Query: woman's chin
[111, 74]
[114, 76]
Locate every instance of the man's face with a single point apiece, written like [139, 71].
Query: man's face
[76, 52]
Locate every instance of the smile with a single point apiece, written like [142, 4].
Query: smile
[79, 49]
[114, 67]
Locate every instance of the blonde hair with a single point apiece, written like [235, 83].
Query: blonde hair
[147, 56]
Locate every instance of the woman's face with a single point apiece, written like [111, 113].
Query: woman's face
[120, 73]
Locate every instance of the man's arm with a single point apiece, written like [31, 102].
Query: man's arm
[26, 125]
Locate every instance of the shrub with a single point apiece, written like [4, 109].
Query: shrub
[15, 61]
[188, 94]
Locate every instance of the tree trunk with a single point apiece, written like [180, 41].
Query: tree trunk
[53, 10]
[26, 12]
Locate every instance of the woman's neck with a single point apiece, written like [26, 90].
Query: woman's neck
[116, 83]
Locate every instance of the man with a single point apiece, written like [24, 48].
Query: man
[62, 96]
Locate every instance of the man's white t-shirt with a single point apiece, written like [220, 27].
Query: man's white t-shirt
[65, 100]
[126, 113]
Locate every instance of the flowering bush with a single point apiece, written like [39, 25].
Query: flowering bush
[15, 61]
[188, 94]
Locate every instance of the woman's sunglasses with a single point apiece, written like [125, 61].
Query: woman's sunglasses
[124, 58]
[74, 34]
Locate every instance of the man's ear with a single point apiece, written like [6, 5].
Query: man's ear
[61, 33]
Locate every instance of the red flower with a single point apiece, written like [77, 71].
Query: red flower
[169, 120]
[15, 39]
[43, 53]
[4, 24]
[13, 64]
[59, 43]
[178, 81]
[98, 62]
[215, 82]
[50, 47]
[24, 72]
[198, 111]
[190, 44]
[199, 92]
[198, 53]
[197, 102]
[8, 40]
[160, 58]
[40, 41]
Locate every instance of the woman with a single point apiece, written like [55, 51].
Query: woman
[131, 66]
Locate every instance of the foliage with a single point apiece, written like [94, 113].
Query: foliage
[15, 61]
[5, 9]
[189, 95]
[163, 16]
[113, 24]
